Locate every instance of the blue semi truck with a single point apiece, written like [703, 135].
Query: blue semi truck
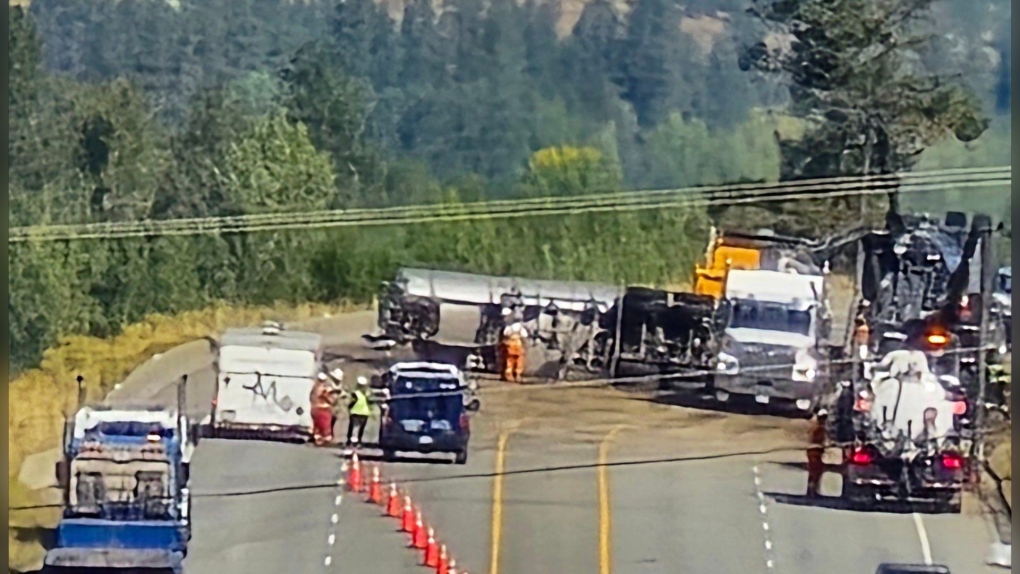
[125, 475]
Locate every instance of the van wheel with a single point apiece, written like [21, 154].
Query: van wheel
[388, 455]
[461, 457]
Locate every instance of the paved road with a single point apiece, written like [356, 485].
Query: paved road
[535, 498]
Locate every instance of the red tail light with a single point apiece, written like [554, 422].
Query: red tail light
[959, 408]
[862, 456]
[465, 422]
[952, 460]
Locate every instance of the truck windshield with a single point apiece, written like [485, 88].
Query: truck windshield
[769, 317]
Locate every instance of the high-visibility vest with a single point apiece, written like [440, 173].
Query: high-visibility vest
[514, 345]
[360, 406]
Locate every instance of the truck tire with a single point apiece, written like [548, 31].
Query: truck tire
[388, 455]
[461, 457]
[949, 504]
[858, 496]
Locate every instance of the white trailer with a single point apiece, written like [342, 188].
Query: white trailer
[264, 379]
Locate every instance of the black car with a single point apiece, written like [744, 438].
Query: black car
[427, 410]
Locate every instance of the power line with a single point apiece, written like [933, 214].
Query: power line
[733, 194]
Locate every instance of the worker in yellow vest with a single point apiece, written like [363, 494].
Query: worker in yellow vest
[359, 411]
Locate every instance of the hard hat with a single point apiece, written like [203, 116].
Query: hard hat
[338, 374]
[822, 413]
[506, 311]
[362, 381]
[322, 376]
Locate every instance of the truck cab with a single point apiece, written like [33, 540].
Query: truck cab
[771, 346]
[125, 476]
[427, 410]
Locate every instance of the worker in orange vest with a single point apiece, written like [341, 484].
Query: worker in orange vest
[815, 452]
[323, 400]
[513, 352]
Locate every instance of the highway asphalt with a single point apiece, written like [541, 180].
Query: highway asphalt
[570, 481]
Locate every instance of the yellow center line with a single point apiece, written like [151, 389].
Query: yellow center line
[605, 517]
[497, 495]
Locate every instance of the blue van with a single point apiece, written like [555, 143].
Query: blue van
[426, 410]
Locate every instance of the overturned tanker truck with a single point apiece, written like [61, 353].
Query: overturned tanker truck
[409, 312]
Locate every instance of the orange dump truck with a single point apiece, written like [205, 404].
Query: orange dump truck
[725, 253]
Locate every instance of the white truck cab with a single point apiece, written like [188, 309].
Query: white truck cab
[770, 345]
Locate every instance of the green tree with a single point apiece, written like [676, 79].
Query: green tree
[869, 112]
[650, 58]
[275, 168]
[122, 151]
[333, 106]
[869, 108]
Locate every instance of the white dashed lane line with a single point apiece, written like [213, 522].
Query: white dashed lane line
[335, 518]
[763, 509]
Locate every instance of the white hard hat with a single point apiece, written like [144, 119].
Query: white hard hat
[507, 311]
[822, 413]
[362, 381]
[322, 376]
[337, 374]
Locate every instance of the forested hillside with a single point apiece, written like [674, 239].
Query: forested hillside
[138, 109]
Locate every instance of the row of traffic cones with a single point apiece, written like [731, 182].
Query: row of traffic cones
[423, 538]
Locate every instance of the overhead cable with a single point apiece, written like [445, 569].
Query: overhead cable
[735, 194]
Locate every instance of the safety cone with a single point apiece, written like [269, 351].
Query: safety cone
[444, 566]
[453, 567]
[419, 538]
[393, 504]
[354, 474]
[374, 488]
[431, 551]
[407, 516]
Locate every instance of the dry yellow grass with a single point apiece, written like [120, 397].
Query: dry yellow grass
[39, 398]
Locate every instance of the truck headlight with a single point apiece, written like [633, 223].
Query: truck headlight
[804, 374]
[727, 364]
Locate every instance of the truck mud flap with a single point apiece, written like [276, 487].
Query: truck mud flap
[113, 559]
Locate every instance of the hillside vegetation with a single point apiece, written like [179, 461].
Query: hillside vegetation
[133, 110]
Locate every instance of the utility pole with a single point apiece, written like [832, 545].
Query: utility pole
[987, 254]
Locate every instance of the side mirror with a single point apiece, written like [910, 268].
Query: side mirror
[474, 406]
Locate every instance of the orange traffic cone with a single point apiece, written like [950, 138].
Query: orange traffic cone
[431, 551]
[453, 567]
[419, 538]
[393, 504]
[354, 474]
[374, 488]
[444, 566]
[407, 516]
